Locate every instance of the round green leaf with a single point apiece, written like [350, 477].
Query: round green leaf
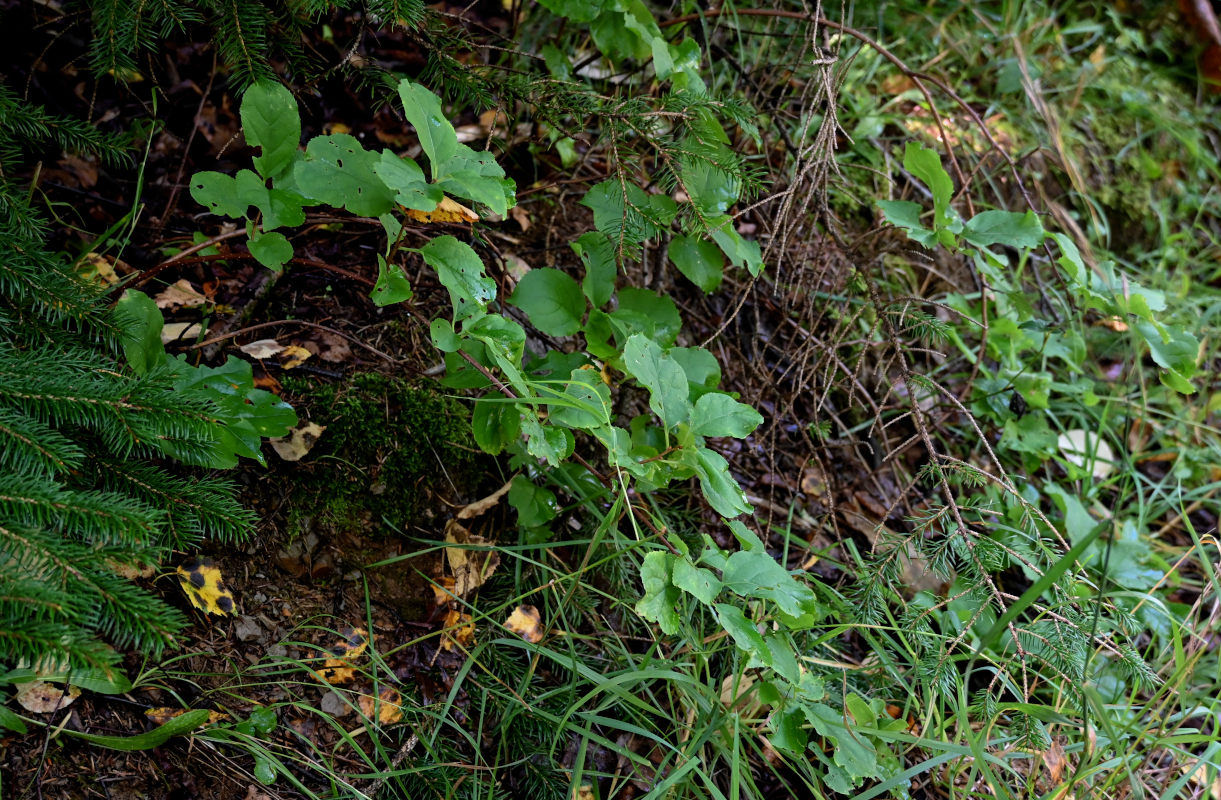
[699, 260]
[552, 300]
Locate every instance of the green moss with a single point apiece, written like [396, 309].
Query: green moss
[387, 443]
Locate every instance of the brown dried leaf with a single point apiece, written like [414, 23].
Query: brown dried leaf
[479, 506]
[470, 567]
[262, 348]
[180, 294]
[41, 697]
[526, 622]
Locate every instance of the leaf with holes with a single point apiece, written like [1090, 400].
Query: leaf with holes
[338, 171]
[461, 272]
[436, 133]
[270, 120]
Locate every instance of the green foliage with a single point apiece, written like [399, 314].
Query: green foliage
[248, 36]
[86, 441]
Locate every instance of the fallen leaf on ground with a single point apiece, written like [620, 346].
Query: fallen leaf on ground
[294, 356]
[389, 709]
[521, 216]
[446, 211]
[263, 348]
[341, 666]
[299, 442]
[470, 567]
[526, 623]
[174, 331]
[41, 697]
[98, 269]
[443, 590]
[180, 294]
[205, 587]
[133, 571]
[330, 347]
[479, 506]
[459, 630]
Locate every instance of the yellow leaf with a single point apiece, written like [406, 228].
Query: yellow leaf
[98, 269]
[470, 567]
[459, 630]
[341, 666]
[446, 211]
[389, 709]
[294, 356]
[526, 623]
[204, 586]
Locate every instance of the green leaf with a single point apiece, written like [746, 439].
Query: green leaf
[591, 401]
[722, 491]
[655, 315]
[441, 331]
[597, 253]
[142, 324]
[718, 414]
[703, 371]
[495, 423]
[906, 215]
[461, 272]
[549, 443]
[1175, 350]
[664, 378]
[536, 505]
[469, 184]
[625, 211]
[789, 734]
[10, 721]
[699, 260]
[925, 165]
[660, 595]
[743, 632]
[754, 573]
[423, 110]
[223, 194]
[700, 583]
[852, 750]
[739, 251]
[783, 657]
[272, 250]
[552, 300]
[1021, 231]
[264, 771]
[270, 120]
[578, 11]
[178, 726]
[712, 189]
[405, 178]
[339, 171]
[392, 285]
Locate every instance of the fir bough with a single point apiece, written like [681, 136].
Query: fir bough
[88, 495]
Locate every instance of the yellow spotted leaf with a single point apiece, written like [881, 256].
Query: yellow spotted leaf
[294, 356]
[350, 645]
[526, 623]
[389, 705]
[471, 567]
[205, 587]
[446, 211]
